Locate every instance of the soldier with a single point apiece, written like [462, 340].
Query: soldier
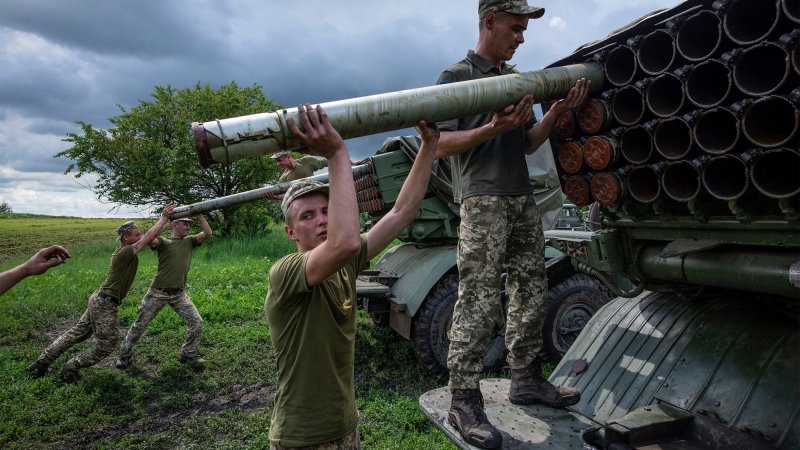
[500, 224]
[311, 304]
[100, 317]
[294, 169]
[174, 260]
[38, 264]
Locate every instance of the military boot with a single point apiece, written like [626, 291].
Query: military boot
[529, 386]
[38, 368]
[466, 414]
[68, 374]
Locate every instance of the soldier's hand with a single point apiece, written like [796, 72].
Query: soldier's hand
[271, 196]
[46, 258]
[167, 210]
[513, 116]
[576, 95]
[428, 133]
[318, 135]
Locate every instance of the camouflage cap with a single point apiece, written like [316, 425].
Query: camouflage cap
[125, 228]
[279, 155]
[299, 189]
[519, 7]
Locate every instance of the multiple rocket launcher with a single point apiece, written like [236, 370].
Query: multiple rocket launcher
[703, 117]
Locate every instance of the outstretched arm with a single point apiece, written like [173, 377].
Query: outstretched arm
[411, 194]
[542, 129]
[38, 264]
[206, 233]
[342, 242]
[154, 231]
[510, 118]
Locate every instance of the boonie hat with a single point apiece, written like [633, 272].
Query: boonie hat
[519, 7]
[125, 228]
[299, 189]
[279, 155]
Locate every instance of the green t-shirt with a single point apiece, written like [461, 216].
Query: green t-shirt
[304, 169]
[494, 167]
[313, 333]
[174, 260]
[121, 272]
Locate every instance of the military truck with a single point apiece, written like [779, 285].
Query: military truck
[691, 151]
[689, 144]
[413, 287]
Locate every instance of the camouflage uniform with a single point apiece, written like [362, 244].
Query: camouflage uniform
[99, 319]
[167, 288]
[500, 225]
[350, 442]
[151, 305]
[496, 230]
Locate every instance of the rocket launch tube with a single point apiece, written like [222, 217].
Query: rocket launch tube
[251, 136]
[255, 194]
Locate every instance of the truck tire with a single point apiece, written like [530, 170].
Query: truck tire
[432, 323]
[570, 305]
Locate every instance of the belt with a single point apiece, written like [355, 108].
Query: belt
[171, 291]
[105, 296]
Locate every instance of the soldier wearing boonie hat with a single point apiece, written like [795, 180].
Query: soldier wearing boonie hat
[100, 318]
[295, 169]
[500, 224]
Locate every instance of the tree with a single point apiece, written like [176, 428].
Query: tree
[148, 158]
[5, 208]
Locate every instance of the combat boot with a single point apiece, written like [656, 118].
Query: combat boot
[38, 368]
[196, 363]
[529, 386]
[467, 415]
[68, 374]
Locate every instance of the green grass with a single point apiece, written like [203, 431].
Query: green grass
[27, 233]
[226, 406]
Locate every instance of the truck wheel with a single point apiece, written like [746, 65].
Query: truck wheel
[570, 305]
[431, 325]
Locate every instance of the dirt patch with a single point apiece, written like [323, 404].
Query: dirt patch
[245, 398]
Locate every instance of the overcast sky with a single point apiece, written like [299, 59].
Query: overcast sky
[67, 61]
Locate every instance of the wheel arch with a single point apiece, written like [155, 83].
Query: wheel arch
[418, 269]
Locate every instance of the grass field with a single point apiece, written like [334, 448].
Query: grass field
[169, 406]
[26, 233]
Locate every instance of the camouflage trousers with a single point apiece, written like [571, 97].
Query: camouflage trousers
[151, 305]
[349, 442]
[100, 320]
[497, 231]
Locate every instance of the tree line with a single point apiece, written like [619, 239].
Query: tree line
[147, 157]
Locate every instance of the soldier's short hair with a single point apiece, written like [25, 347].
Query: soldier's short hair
[125, 228]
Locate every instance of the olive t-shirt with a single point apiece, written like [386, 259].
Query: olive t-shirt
[494, 167]
[174, 260]
[313, 333]
[121, 272]
[304, 169]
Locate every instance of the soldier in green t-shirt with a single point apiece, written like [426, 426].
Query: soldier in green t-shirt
[500, 227]
[311, 304]
[168, 288]
[294, 169]
[100, 317]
